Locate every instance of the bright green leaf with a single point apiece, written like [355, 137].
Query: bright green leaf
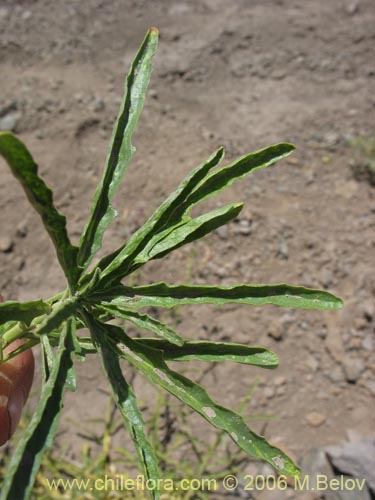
[201, 350]
[60, 313]
[150, 362]
[189, 231]
[167, 296]
[22, 311]
[118, 262]
[126, 402]
[121, 150]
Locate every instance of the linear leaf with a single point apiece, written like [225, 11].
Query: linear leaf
[167, 296]
[217, 181]
[207, 186]
[22, 311]
[151, 363]
[126, 402]
[118, 262]
[201, 350]
[145, 321]
[121, 150]
[191, 230]
[60, 313]
[25, 170]
[38, 436]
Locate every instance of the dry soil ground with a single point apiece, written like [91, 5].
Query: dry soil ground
[239, 73]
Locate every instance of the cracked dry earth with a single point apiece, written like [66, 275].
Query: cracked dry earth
[243, 74]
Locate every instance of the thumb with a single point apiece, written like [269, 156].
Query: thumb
[16, 376]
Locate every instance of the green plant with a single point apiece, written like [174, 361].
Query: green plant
[96, 296]
[62, 477]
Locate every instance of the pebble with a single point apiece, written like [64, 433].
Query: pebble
[243, 227]
[279, 380]
[6, 244]
[9, 122]
[315, 419]
[336, 374]
[21, 229]
[276, 330]
[352, 8]
[353, 368]
[269, 392]
[283, 252]
[222, 232]
[98, 104]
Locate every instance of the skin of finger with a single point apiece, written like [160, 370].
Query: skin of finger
[16, 376]
[20, 369]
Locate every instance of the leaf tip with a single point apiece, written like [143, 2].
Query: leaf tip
[153, 31]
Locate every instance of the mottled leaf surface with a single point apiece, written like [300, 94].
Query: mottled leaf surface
[121, 149]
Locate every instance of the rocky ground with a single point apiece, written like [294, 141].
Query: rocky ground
[240, 74]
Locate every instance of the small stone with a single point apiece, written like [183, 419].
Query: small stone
[283, 252]
[312, 363]
[269, 392]
[336, 374]
[6, 244]
[276, 330]
[279, 380]
[9, 122]
[315, 419]
[353, 368]
[153, 94]
[352, 8]
[243, 227]
[355, 458]
[98, 104]
[368, 343]
[222, 232]
[21, 229]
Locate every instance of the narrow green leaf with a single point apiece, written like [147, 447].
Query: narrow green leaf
[150, 362]
[126, 402]
[121, 150]
[25, 170]
[186, 232]
[200, 189]
[60, 313]
[145, 321]
[38, 436]
[118, 262]
[217, 181]
[167, 296]
[22, 311]
[201, 350]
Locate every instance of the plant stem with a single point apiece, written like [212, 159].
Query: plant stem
[14, 333]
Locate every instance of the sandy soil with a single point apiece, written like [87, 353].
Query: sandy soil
[243, 74]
